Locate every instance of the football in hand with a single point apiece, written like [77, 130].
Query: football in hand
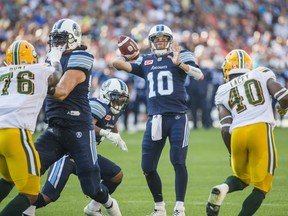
[127, 46]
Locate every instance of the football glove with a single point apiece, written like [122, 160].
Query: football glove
[115, 138]
[282, 112]
[55, 54]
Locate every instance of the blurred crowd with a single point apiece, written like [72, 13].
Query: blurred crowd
[209, 28]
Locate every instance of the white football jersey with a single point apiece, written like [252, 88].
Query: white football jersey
[247, 98]
[23, 89]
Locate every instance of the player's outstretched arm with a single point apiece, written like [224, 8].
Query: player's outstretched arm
[122, 62]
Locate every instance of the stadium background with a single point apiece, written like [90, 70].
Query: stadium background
[209, 28]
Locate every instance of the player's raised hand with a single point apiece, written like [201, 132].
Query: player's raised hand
[55, 54]
[175, 48]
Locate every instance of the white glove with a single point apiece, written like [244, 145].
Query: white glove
[115, 138]
[55, 54]
[122, 145]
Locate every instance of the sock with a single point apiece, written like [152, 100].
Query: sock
[16, 206]
[94, 206]
[5, 188]
[155, 185]
[30, 211]
[216, 198]
[179, 204]
[252, 202]
[109, 203]
[235, 184]
[160, 205]
[181, 179]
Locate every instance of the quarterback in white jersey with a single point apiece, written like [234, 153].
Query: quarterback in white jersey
[244, 104]
[23, 88]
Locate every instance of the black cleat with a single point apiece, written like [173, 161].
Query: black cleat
[212, 210]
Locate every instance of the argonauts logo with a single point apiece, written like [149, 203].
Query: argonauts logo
[76, 29]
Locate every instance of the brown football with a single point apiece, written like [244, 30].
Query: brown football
[127, 45]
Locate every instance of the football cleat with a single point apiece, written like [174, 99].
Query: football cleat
[114, 209]
[90, 212]
[159, 211]
[179, 211]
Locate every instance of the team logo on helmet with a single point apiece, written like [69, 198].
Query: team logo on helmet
[76, 29]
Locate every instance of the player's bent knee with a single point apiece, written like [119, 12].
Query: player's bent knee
[117, 178]
[32, 198]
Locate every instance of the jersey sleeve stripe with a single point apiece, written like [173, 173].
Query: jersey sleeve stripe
[81, 61]
[97, 109]
[186, 56]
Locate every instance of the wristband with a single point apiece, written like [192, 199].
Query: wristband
[51, 90]
[125, 58]
[179, 64]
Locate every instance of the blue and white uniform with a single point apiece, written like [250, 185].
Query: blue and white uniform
[166, 99]
[70, 128]
[60, 171]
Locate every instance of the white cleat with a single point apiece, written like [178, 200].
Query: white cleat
[114, 209]
[90, 212]
[159, 211]
[179, 211]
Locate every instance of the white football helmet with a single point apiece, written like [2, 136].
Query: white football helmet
[115, 91]
[67, 33]
[156, 31]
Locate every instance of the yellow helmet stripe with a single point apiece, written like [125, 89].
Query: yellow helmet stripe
[241, 59]
[15, 53]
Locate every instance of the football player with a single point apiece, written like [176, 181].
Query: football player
[165, 71]
[23, 87]
[68, 114]
[245, 110]
[106, 111]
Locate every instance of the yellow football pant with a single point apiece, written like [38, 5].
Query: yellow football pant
[19, 160]
[254, 155]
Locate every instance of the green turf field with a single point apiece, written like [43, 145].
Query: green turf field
[207, 164]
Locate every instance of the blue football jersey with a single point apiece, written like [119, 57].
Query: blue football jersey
[165, 82]
[105, 118]
[75, 109]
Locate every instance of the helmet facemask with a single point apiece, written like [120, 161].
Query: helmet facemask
[118, 102]
[157, 31]
[115, 92]
[65, 33]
